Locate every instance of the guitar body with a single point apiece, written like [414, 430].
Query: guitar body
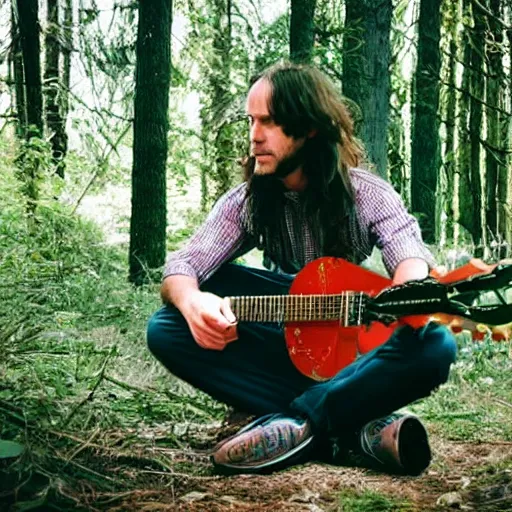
[321, 349]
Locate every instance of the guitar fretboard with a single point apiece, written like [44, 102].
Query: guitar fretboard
[347, 308]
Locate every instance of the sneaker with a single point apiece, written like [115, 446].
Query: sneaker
[272, 442]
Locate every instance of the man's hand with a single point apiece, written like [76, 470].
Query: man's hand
[210, 319]
[409, 270]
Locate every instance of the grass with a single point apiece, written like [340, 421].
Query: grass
[371, 501]
[476, 402]
[98, 417]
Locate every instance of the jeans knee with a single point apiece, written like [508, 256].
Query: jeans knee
[161, 329]
[440, 352]
[154, 334]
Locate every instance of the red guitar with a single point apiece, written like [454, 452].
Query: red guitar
[336, 310]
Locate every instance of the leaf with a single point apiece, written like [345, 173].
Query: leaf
[10, 449]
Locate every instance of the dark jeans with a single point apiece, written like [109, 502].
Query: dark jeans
[254, 373]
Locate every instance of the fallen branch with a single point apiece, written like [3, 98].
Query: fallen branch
[90, 396]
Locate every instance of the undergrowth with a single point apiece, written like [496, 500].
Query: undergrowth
[101, 425]
[78, 388]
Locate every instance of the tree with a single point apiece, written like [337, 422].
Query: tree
[505, 171]
[219, 77]
[302, 30]
[467, 204]
[366, 79]
[17, 71]
[66, 48]
[425, 155]
[477, 88]
[495, 148]
[28, 24]
[150, 127]
[54, 119]
[450, 112]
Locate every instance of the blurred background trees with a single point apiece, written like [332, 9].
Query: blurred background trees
[92, 100]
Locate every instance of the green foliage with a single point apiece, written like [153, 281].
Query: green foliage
[273, 43]
[34, 164]
[69, 319]
[474, 405]
[9, 449]
[370, 500]
[329, 34]
[400, 88]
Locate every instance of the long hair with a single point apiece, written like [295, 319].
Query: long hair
[304, 100]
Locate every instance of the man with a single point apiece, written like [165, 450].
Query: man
[304, 197]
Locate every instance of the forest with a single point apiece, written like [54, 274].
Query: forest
[122, 122]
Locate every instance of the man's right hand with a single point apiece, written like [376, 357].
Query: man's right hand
[210, 319]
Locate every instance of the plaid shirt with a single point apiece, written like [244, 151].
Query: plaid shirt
[381, 220]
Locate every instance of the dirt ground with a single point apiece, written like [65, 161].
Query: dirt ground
[317, 487]
[462, 476]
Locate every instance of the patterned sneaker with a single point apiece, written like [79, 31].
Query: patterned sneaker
[269, 443]
[397, 443]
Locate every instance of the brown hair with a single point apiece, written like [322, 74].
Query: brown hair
[303, 100]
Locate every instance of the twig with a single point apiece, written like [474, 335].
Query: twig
[128, 387]
[503, 402]
[181, 475]
[89, 470]
[83, 446]
[96, 172]
[491, 15]
[169, 394]
[90, 396]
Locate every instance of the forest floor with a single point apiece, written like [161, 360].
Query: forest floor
[90, 421]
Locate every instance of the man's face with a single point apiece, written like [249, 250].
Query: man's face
[270, 146]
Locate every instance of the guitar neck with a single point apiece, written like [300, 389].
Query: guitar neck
[347, 308]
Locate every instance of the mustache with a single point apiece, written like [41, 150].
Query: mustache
[259, 152]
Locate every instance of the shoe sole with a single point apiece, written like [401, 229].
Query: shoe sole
[413, 447]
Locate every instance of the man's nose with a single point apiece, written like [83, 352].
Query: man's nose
[257, 133]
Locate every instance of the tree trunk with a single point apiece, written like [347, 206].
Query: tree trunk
[28, 24]
[425, 155]
[220, 82]
[54, 121]
[495, 147]
[302, 30]
[66, 50]
[150, 130]
[366, 78]
[467, 204]
[17, 68]
[477, 89]
[450, 117]
[505, 172]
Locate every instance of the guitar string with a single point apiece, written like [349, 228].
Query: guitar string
[297, 306]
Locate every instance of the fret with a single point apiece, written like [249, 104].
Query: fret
[346, 309]
[360, 312]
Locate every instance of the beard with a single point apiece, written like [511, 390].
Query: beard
[266, 194]
[267, 190]
[284, 167]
